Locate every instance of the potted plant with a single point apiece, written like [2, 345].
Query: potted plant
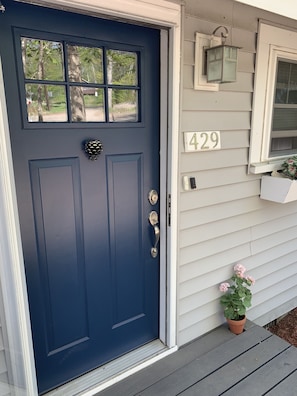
[281, 186]
[289, 168]
[237, 298]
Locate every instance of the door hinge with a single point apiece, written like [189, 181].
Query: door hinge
[169, 210]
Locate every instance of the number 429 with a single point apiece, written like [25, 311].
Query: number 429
[202, 141]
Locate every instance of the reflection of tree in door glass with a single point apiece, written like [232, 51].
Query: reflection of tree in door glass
[58, 75]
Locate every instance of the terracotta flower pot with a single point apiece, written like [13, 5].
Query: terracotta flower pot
[236, 326]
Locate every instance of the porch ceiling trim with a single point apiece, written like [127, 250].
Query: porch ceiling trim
[151, 11]
[285, 8]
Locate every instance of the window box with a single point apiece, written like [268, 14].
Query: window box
[278, 189]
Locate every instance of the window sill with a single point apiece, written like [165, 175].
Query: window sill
[264, 167]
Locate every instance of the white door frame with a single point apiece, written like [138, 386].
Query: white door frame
[167, 16]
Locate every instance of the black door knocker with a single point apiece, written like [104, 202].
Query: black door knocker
[92, 148]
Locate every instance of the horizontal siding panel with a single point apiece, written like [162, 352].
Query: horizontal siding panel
[195, 276]
[274, 239]
[233, 14]
[190, 249]
[209, 264]
[246, 62]
[197, 217]
[192, 286]
[247, 17]
[217, 159]
[200, 328]
[217, 195]
[215, 120]
[196, 286]
[220, 11]
[194, 301]
[240, 37]
[276, 260]
[235, 139]
[282, 269]
[223, 177]
[215, 229]
[273, 265]
[271, 303]
[274, 312]
[189, 53]
[244, 81]
[266, 257]
[244, 39]
[222, 100]
[276, 224]
[190, 318]
[188, 76]
[286, 289]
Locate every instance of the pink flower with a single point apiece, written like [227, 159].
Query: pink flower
[239, 269]
[250, 279]
[224, 287]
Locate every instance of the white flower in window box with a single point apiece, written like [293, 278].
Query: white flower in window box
[281, 186]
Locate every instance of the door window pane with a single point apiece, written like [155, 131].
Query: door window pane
[123, 105]
[85, 64]
[46, 103]
[87, 104]
[122, 68]
[42, 59]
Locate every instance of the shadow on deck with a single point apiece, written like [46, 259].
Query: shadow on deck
[253, 363]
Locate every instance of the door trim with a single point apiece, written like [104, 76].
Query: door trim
[156, 12]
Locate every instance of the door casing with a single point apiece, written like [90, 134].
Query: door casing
[12, 273]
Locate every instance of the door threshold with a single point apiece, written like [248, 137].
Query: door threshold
[115, 371]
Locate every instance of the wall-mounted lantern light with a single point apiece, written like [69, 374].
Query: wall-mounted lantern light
[221, 64]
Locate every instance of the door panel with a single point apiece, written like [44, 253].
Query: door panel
[93, 285]
[59, 235]
[124, 173]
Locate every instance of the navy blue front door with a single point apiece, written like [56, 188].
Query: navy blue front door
[93, 284]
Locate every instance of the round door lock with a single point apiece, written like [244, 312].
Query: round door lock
[153, 197]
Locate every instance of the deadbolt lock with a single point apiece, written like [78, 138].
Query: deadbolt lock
[153, 197]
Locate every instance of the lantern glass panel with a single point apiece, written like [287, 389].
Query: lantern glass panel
[221, 64]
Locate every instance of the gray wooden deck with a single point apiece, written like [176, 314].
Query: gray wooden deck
[253, 363]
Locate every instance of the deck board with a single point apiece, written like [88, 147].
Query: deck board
[254, 363]
[201, 368]
[238, 369]
[144, 379]
[288, 386]
[269, 376]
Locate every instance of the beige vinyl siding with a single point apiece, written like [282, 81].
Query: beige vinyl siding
[224, 221]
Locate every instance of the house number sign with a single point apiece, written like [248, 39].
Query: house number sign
[202, 141]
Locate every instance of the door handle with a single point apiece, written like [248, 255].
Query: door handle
[154, 220]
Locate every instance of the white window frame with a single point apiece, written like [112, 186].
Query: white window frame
[273, 43]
